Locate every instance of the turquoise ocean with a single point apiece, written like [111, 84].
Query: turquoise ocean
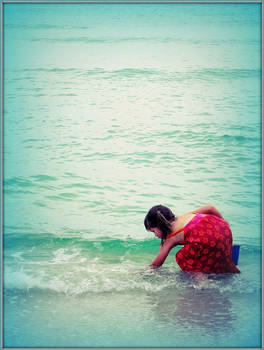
[110, 109]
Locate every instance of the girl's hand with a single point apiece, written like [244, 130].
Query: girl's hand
[208, 209]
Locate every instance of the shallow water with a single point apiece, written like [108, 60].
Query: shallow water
[108, 297]
[109, 110]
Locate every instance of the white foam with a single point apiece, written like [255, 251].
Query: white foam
[63, 255]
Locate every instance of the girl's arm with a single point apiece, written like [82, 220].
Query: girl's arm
[208, 209]
[164, 252]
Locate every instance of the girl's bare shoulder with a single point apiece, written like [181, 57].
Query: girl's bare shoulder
[183, 220]
[187, 216]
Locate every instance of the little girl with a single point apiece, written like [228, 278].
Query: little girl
[206, 237]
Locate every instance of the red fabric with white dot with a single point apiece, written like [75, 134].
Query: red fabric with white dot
[207, 246]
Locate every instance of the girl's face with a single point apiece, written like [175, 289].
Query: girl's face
[157, 232]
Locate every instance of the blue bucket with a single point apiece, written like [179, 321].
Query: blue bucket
[235, 253]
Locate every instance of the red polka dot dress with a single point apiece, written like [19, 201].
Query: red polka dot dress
[207, 246]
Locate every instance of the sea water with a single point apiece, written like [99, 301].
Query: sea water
[109, 110]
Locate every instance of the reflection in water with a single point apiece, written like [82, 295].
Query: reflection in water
[200, 304]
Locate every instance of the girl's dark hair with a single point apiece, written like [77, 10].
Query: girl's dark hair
[160, 217]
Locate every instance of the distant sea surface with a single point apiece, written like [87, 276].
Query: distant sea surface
[109, 110]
